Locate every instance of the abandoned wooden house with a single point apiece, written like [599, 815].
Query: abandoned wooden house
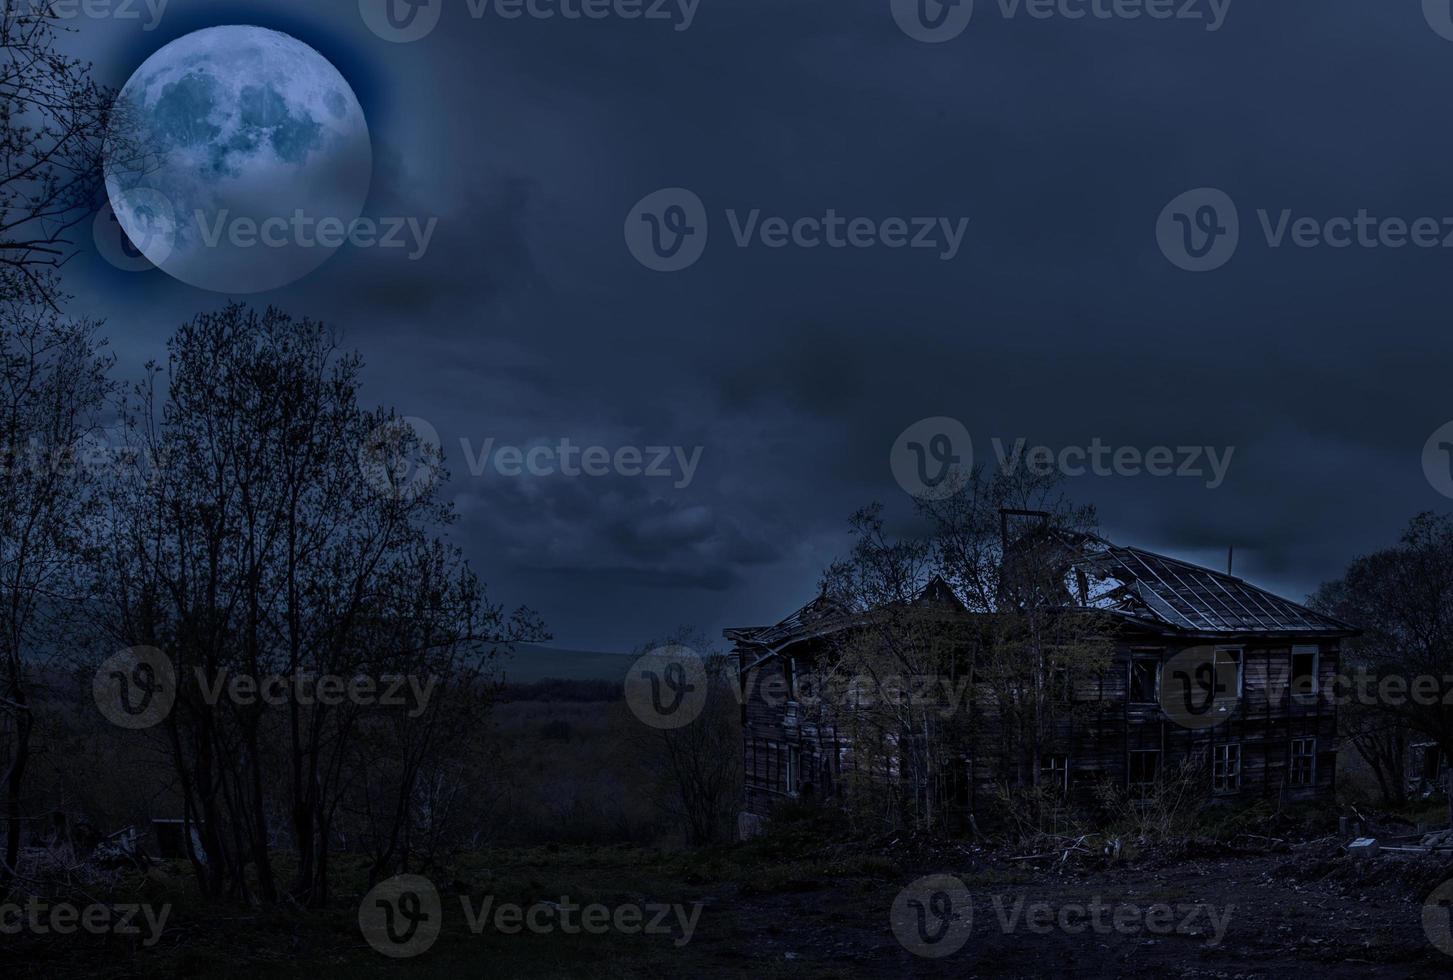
[1271, 733]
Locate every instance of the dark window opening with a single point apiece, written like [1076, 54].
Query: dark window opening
[1304, 672]
[1432, 763]
[1143, 677]
[1144, 768]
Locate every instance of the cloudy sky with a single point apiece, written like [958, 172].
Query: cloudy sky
[1059, 319]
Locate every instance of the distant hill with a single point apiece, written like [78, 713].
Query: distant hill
[533, 663]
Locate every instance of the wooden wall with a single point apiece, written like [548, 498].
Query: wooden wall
[1107, 728]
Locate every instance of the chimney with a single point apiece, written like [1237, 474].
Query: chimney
[1230, 556]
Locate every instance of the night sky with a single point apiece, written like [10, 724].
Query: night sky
[1059, 320]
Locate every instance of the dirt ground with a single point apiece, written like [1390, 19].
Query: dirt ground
[1291, 914]
[774, 913]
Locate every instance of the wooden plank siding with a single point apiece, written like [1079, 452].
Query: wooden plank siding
[1265, 724]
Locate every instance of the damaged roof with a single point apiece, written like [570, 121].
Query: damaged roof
[1160, 590]
[820, 612]
[1152, 590]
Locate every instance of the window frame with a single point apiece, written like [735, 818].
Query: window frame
[1240, 652]
[1297, 758]
[1059, 775]
[1156, 660]
[1226, 776]
[789, 678]
[1315, 652]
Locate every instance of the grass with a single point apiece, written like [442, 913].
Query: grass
[746, 893]
[209, 939]
[206, 939]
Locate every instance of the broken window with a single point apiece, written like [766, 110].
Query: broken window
[1230, 672]
[1226, 768]
[1304, 671]
[1304, 762]
[1144, 768]
[1432, 762]
[1054, 772]
[1144, 680]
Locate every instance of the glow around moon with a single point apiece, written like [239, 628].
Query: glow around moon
[238, 159]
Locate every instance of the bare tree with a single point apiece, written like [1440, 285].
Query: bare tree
[267, 543]
[54, 123]
[868, 689]
[962, 631]
[697, 768]
[1402, 599]
[53, 388]
[404, 772]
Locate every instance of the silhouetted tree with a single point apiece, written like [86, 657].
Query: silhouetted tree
[697, 768]
[281, 531]
[53, 387]
[54, 124]
[1402, 599]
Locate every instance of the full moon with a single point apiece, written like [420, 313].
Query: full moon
[238, 159]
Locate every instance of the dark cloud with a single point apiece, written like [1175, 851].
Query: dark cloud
[1059, 321]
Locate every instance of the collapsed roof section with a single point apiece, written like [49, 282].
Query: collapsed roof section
[1154, 591]
[1168, 592]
